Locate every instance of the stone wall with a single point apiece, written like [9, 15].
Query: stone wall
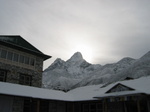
[14, 71]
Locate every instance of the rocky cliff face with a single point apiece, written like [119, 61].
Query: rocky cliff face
[76, 72]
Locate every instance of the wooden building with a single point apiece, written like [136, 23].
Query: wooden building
[20, 86]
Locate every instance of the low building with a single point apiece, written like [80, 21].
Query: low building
[123, 96]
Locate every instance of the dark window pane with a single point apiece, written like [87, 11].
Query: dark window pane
[25, 79]
[3, 75]
[26, 60]
[32, 61]
[92, 106]
[3, 54]
[16, 57]
[21, 59]
[27, 82]
[44, 106]
[27, 105]
[85, 108]
[99, 106]
[21, 79]
[9, 55]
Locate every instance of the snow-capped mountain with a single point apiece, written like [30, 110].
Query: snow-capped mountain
[106, 72]
[76, 72]
[65, 74]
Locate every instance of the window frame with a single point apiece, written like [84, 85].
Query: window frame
[16, 57]
[26, 60]
[20, 58]
[25, 79]
[4, 75]
[32, 62]
[9, 55]
[4, 56]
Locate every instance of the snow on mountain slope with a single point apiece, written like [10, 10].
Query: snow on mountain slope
[76, 72]
[139, 68]
[63, 75]
[105, 73]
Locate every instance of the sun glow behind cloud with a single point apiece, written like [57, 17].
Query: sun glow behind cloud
[85, 50]
[79, 39]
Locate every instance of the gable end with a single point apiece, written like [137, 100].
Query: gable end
[118, 88]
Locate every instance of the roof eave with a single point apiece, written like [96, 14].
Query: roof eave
[111, 96]
[44, 56]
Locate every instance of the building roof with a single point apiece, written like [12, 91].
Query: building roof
[123, 93]
[140, 86]
[17, 42]
[32, 92]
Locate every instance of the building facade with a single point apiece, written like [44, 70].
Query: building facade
[20, 62]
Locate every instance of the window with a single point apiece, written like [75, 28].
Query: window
[26, 60]
[25, 79]
[77, 107]
[53, 106]
[3, 54]
[99, 107]
[44, 106]
[32, 61]
[93, 107]
[117, 107]
[3, 74]
[9, 55]
[16, 57]
[27, 105]
[21, 59]
[85, 108]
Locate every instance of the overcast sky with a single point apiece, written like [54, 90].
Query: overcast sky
[104, 31]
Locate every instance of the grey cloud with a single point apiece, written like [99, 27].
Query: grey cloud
[113, 29]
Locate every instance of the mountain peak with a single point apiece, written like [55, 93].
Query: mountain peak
[58, 63]
[58, 60]
[76, 57]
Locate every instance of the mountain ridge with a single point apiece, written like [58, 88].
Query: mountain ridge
[77, 72]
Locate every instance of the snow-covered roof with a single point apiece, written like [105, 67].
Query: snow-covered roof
[122, 93]
[33, 92]
[140, 85]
